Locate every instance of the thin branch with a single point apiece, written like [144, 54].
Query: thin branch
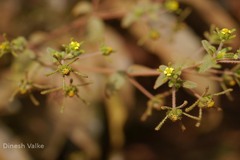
[200, 117]
[219, 48]
[215, 78]
[145, 73]
[173, 97]
[161, 123]
[89, 55]
[229, 61]
[166, 93]
[140, 88]
[97, 69]
[190, 116]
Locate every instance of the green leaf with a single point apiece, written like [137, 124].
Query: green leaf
[162, 68]
[160, 81]
[208, 47]
[229, 55]
[208, 62]
[189, 84]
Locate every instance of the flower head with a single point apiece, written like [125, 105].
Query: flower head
[65, 70]
[210, 103]
[106, 50]
[225, 31]
[154, 34]
[172, 5]
[71, 91]
[5, 47]
[74, 45]
[175, 114]
[168, 71]
[226, 34]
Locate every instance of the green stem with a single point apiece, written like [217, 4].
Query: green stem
[33, 99]
[190, 116]
[200, 118]
[161, 123]
[228, 94]
[72, 61]
[51, 90]
[183, 105]
[223, 92]
[192, 106]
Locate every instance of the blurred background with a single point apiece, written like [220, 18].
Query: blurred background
[110, 128]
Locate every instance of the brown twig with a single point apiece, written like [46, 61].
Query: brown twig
[152, 72]
[140, 88]
[173, 97]
[229, 61]
[97, 69]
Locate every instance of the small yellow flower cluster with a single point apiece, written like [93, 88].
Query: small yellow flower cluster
[74, 45]
[154, 34]
[71, 93]
[225, 31]
[171, 5]
[4, 46]
[65, 71]
[210, 104]
[106, 50]
[168, 71]
[226, 34]
[221, 54]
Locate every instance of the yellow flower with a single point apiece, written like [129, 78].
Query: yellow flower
[65, 71]
[71, 93]
[172, 5]
[232, 83]
[22, 90]
[106, 50]
[168, 71]
[221, 54]
[154, 34]
[210, 104]
[74, 45]
[174, 118]
[225, 31]
[4, 46]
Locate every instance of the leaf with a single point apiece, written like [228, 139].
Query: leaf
[162, 68]
[160, 81]
[229, 55]
[208, 47]
[208, 62]
[189, 84]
